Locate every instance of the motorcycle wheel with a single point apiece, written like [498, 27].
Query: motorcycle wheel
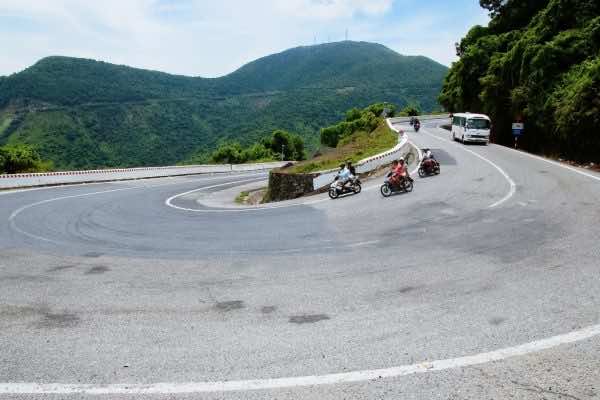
[357, 188]
[422, 172]
[437, 170]
[333, 193]
[386, 190]
[408, 186]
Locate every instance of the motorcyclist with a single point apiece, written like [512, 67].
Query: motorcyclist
[417, 124]
[428, 159]
[344, 175]
[351, 168]
[399, 171]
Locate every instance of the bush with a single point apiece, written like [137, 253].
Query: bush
[21, 158]
[267, 149]
[367, 121]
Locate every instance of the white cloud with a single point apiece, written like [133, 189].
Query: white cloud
[198, 37]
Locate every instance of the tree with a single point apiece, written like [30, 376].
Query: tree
[228, 153]
[21, 158]
[538, 61]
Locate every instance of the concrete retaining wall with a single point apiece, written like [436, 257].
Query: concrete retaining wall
[11, 181]
[284, 186]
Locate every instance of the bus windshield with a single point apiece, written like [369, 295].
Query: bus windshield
[478, 123]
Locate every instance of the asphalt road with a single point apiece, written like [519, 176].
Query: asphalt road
[105, 284]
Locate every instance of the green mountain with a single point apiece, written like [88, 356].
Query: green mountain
[538, 61]
[84, 114]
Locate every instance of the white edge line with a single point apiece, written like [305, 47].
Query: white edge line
[169, 201]
[312, 380]
[14, 214]
[556, 164]
[513, 186]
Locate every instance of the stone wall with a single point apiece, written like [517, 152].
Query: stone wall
[284, 186]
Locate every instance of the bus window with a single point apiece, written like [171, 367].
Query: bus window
[478, 123]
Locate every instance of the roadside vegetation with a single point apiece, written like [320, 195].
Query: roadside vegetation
[538, 61]
[281, 144]
[84, 114]
[21, 158]
[363, 133]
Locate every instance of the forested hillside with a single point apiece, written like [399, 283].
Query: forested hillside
[85, 114]
[539, 61]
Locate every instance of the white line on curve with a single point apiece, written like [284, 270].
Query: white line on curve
[312, 380]
[169, 201]
[557, 164]
[14, 214]
[513, 186]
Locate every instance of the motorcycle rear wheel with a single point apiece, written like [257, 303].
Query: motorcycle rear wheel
[386, 190]
[408, 186]
[357, 188]
[333, 193]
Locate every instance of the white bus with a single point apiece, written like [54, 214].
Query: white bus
[471, 128]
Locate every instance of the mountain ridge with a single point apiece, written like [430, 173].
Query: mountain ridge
[82, 113]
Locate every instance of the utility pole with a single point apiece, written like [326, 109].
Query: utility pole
[282, 149]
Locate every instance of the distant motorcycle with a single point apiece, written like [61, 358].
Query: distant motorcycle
[428, 167]
[337, 189]
[388, 188]
[417, 126]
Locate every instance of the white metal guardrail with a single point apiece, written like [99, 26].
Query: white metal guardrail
[13, 181]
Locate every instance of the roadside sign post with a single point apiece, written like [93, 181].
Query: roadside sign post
[517, 130]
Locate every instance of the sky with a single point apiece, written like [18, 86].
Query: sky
[213, 38]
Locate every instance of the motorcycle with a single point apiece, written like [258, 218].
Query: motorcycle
[337, 189]
[417, 126]
[388, 188]
[429, 166]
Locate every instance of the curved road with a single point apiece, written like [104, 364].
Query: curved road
[497, 258]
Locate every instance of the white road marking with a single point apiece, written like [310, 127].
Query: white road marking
[557, 164]
[12, 217]
[312, 380]
[513, 186]
[169, 201]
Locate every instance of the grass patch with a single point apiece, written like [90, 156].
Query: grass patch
[4, 123]
[242, 198]
[355, 147]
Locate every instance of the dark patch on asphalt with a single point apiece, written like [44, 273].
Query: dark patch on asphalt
[226, 306]
[97, 270]
[25, 278]
[443, 157]
[587, 204]
[479, 179]
[497, 320]
[407, 289]
[268, 309]
[308, 318]
[16, 311]
[543, 171]
[93, 254]
[41, 316]
[61, 268]
[58, 320]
